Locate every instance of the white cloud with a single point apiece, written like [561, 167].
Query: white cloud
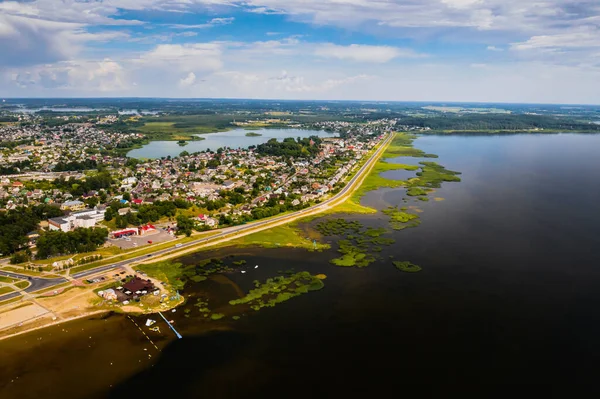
[494, 48]
[28, 41]
[363, 53]
[183, 57]
[189, 80]
[461, 3]
[212, 23]
[580, 38]
[83, 76]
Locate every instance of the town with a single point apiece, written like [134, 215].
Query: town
[59, 180]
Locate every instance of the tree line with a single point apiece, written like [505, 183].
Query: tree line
[53, 243]
[290, 147]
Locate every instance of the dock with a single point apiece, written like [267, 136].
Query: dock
[170, 325]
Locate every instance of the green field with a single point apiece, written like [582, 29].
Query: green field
[280, 236]
[174, 131]
[183, 127]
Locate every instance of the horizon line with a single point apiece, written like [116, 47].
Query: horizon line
[297, 100]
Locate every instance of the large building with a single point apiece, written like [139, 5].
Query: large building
[85, 219]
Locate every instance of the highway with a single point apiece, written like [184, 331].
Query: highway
[234, 232]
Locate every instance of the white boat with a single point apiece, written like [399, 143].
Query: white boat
[243, 271]
[256, 267]
[149, 322]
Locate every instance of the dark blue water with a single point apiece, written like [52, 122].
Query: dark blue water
[509, 291]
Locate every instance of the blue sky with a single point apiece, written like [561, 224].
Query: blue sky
[405, 50]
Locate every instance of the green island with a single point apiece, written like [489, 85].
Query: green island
[358, 244]
[253, 134]
[406, 266]
[400, 220]
[280, 289]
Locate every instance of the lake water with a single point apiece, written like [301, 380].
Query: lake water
[233, 138]
[508, 294]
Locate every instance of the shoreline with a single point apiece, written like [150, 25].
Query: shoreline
[51, 324]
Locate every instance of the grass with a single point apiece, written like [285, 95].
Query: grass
[11, 300]
[176, 128]
[127, 254]
[7, 280]
[406, 266]
[56, 287]
[177, 274]
[416, 191]
[375, 181]
[5, 290]
[358, 244]
[276, 237]
[22, 284]
[280, 289]
[216, 316]
[26, 272]
[166, 271]
[400, 220]
[430, 174]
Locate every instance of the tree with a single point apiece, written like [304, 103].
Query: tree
[185, 224]
[19, 257]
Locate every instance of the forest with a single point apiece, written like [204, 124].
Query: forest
[54, 243]
[482, 122]
[17, 223]
[290, 147]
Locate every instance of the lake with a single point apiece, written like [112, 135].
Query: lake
[508, 294]
[235, 138]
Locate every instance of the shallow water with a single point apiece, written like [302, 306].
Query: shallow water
[508, 293]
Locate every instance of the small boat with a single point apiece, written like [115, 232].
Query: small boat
[149, 322]
[256, 267]
[243, 271]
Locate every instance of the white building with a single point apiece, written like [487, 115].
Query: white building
[85, 219]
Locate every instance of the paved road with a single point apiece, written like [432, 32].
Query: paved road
[37, 283]
[228, 231]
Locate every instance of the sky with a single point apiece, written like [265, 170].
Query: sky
[525, 51]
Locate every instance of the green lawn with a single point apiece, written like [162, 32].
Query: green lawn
[22, 284]
[5, 290]
[279, 236]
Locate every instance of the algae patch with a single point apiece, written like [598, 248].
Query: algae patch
[406, 266]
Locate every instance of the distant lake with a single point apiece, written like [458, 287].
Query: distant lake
[233, 138]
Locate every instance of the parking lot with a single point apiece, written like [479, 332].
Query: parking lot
[140, 241]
